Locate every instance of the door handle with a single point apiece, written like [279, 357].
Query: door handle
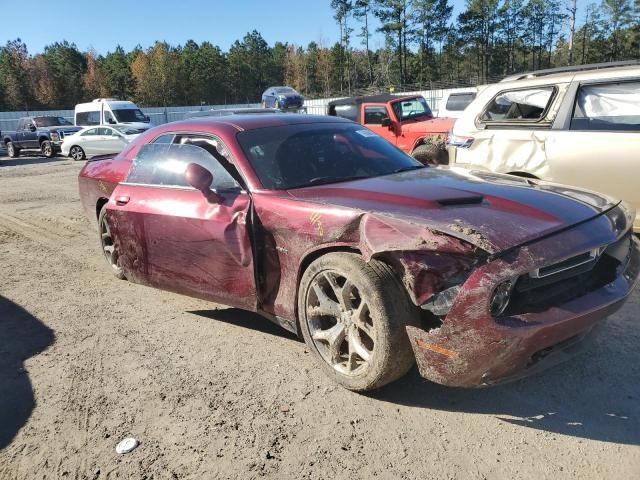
[122, 200]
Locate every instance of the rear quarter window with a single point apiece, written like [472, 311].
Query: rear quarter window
[608, 107]
[518, 106]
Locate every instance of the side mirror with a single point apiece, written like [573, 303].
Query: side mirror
[32, 127]
[386, 122]
[200, 178]
[147, 118]
[112, 121]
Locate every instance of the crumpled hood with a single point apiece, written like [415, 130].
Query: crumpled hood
[493, 212]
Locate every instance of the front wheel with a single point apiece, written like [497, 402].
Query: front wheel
[12, 150]
[47, 149]
[353, 317]
[76, 153]
[430, 154]
[107, 245]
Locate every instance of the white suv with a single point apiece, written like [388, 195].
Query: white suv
[575, 125]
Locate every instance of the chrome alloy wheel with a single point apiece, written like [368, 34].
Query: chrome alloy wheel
[340, 323]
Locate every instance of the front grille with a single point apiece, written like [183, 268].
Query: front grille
[573, 278]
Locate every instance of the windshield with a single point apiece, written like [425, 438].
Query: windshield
[129, 115]
[51, 121]
[285, 90]
[123, 129]
[415, 107]
[295, 156]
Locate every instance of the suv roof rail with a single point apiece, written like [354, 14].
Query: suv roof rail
[571, 68]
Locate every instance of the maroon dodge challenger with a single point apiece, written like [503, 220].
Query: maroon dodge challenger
[378, 261]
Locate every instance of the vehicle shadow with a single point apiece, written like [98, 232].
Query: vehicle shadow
[21, 337]
[245, 319]
[23, 161]
[593, 396]
[590, 396]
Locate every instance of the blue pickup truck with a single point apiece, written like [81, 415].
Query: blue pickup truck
[44, 134]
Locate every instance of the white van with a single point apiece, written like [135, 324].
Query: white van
[110, 111]
[455, 101]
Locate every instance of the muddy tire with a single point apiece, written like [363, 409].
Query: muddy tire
[353, 316]
[430, 154]
[107, 245]
[47, 149]
[12, 150]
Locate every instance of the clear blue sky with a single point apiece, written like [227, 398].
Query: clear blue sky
[107, 23]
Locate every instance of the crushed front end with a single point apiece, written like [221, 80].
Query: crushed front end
[525, 308]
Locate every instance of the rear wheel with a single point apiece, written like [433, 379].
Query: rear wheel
[353, 317]
[47, 149]
[108, 247]
[12, 150]
[77, 153]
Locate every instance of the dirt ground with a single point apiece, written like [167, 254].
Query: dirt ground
[213, 392]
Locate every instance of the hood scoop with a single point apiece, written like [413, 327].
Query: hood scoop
[461, 201]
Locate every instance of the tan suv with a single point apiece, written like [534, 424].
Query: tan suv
[575, 125]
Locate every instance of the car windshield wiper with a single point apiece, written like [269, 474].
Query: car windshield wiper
[328, 179]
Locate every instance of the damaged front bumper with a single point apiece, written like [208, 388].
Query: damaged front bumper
[472, 348]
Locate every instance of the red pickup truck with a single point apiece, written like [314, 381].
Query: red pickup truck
[405, 121]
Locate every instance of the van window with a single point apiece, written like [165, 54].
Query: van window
[108, 118]
[457, 102]
[608, 107]
[525, 105]
[85, 119]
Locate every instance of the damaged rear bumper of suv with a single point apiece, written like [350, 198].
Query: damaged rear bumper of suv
[561, 287]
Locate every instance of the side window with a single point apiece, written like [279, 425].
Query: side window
[524, 105]
[20, 124]
[166, 138]
[373, 115]
[608, 107]
[108, 118]
[88, 118]
[165, 164]
[92, 132]
[457, 102]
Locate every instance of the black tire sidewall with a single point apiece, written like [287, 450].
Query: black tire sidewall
[390, 313]
[118, 273]
[47, 145]
[75, 147]
[12, 151]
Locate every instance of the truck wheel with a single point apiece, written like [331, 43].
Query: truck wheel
[47, 149]
[353, 316]
[76, 153]
[12, 150]
[430, 154]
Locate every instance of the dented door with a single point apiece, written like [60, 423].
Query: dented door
[178, 240]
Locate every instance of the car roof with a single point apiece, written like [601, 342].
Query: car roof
[581, 72]
[219, 112]
[386, 97]
[255, 121]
